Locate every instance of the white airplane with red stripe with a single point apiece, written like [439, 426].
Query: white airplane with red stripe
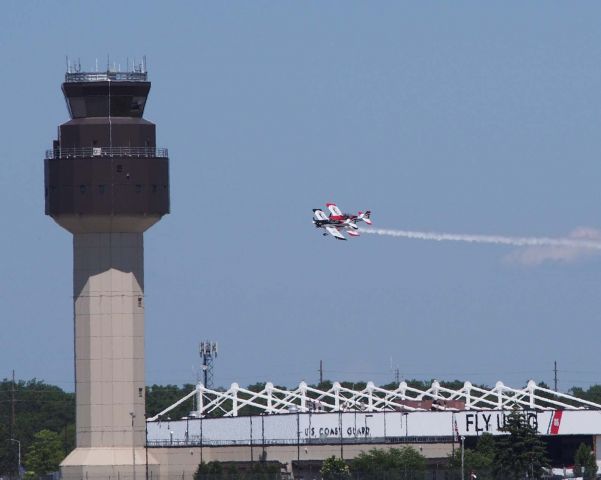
[338, 222]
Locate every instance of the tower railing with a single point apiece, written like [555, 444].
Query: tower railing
[81, 152]
[106, 76]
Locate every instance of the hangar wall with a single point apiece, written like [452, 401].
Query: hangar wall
[353, 427]
[180, 463]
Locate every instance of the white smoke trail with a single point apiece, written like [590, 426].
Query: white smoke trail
[496, 239]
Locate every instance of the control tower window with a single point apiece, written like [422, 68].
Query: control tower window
[137, 105]
[126, 106]
[77, 107]
[89, 106]
[120, 105]
[103, 99]
[98, 106]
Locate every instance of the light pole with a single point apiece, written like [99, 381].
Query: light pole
[146, 445]
[263, 457]
[340, 426]
[201, 438]
[133, 444]
[462, 456]
[252, 457]
[19, 456]
[366, 428]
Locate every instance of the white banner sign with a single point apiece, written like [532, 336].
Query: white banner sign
[333, 427]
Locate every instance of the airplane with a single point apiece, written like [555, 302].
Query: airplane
[338, 221]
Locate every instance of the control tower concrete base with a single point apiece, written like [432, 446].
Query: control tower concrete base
[109, 464]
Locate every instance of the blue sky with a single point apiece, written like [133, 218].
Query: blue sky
[465, 117]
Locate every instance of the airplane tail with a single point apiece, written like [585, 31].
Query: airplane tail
[365, 217]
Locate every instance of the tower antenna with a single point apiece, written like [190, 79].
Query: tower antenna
[208, 354]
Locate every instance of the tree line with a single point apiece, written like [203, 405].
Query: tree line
[41, 417]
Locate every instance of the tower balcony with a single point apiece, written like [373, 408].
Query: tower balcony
[89, 188]
[88, 152]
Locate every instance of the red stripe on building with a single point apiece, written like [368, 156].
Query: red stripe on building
[556, 422]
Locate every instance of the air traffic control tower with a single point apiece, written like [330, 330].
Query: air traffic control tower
[106, 182]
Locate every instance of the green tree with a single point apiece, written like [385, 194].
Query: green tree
[585, 464]
[264, 471]
[521, 453]
[159, 397]
[38, 406]
[334, 468]
[8, 453]
[45, 453]
[209, 471]
[478, 460]
[593, 394]
[404, 462]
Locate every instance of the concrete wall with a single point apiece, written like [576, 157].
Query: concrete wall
[109, 338]
[108, 290]
[181, 463]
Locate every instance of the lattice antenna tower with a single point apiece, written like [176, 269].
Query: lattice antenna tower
[208, 354]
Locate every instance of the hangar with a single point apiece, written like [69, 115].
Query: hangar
[306, 425]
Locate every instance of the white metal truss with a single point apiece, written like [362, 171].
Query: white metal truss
[273, 400]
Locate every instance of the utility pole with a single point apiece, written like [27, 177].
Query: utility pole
[320, 372]
[19, 456]
[555, 375]
[397, 375]
[12, 401]
[12, 425]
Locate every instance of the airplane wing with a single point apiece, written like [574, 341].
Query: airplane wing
[335, 233]
[334, 209]
[319, 215]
